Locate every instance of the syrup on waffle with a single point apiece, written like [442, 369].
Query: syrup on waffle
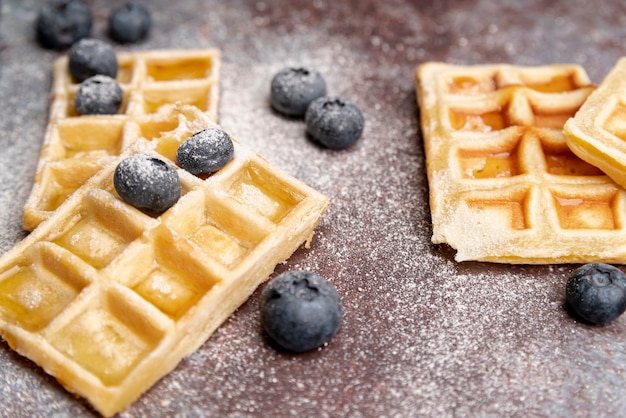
[108, 299]
[76, 147]
[597, 133]
[504, 186]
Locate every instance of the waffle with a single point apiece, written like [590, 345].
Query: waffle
[75, 147]
[108, 300]
[504, 186]
[598, 130]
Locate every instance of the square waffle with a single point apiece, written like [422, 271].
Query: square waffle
[108, 300]
[75, 147]
[504, 186]
[597, 133]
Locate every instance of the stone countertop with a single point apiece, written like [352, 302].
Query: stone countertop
[422, 335]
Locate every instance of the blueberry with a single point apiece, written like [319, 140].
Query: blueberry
[300, 310]
[147, 183]
[89, 57]
[205, 152]
[596, 292]
[293, 89]
[98, 95]
[335, 122]
[60, 23]
[129, 23]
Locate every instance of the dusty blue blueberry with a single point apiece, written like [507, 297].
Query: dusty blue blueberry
[300, 310]
[596, 293]
[130, 23]
[89, 57]
[60, 23]
[334, 122]
[293, 89]
[147, 183]
[205, 152]
[98, 95]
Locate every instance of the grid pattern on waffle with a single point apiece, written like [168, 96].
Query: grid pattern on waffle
[597, 134]
[108, 299]
[76, 147]
[504, 186]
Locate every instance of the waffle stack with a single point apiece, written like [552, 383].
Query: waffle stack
[76, 147]
[504, 185]
[597, 133]
[108, 299]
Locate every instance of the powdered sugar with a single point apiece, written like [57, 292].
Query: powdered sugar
[422, 334]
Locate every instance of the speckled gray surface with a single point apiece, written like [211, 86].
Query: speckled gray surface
[422, 335]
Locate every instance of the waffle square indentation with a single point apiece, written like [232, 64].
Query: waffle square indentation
[98, 236]
[557, 83]
[192, 68]
[262, 191]
[63, 178]
[490, 120]
[551, 118]
[157, 95]
[222, 231]
[176, 278]
[152, 129]
[561, 161]
[108, 337]
[497, 161]
[467, 85]
[35, 291]
[505, 210]
[581, 212]
[91, 137]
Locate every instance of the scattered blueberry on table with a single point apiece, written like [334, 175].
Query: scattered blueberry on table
[89, 57]
[334, 122]
[596, 292]
[293, 89]
[147, 183]
[300, 310]
[205, 152]
[98, 95]
[129, 23]
[61, 23]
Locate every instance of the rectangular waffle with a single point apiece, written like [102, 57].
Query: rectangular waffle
[597, 133]
[108, 300]
[504, 186]
[75, 147]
